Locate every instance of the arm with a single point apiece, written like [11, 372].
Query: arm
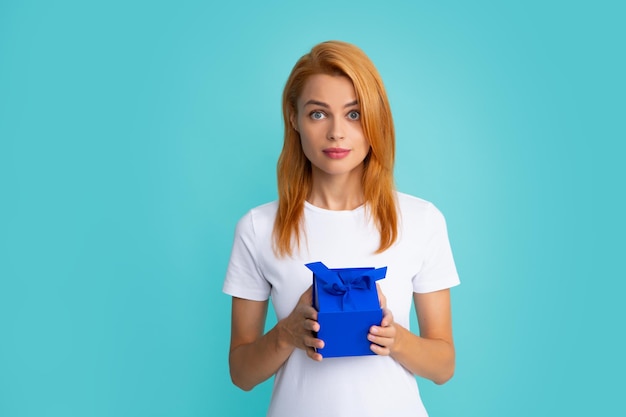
[430, 355]
[254, 356]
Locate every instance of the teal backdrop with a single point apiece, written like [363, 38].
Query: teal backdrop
[134, 134]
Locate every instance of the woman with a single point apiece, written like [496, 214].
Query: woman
[337, 204]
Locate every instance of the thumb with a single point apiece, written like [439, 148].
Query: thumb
[381, 297]
[387, 318]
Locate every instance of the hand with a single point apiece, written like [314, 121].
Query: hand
[383, 337]
[298, 327]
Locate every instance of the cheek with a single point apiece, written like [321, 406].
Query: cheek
[307, 146]
[362, 139]
[309, 135]
[366, 147]
[357, 132]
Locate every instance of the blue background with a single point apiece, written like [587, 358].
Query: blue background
[134, 134]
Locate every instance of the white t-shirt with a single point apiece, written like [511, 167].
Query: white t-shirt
[420, 261]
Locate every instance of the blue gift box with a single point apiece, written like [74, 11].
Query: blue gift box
[347, 303]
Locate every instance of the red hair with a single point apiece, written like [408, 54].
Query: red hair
[294, 169]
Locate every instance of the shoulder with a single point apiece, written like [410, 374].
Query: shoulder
[258, 219]
[411, 205]
[417, 212]
[265, 211]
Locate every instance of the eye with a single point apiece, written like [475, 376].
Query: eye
[354, 115]
[317, 115]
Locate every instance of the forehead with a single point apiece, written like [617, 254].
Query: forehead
[330, 89]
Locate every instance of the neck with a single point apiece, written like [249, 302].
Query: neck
[337, 192]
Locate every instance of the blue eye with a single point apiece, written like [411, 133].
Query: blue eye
[354, 115]
[317, 115]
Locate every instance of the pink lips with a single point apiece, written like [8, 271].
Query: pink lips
[336, 153]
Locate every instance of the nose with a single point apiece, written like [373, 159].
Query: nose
[336, 129]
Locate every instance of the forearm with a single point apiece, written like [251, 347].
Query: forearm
[429, 358]
[253, 363]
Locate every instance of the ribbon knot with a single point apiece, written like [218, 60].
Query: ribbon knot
[342, 282]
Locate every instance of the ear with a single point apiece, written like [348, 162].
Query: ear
[293, 119]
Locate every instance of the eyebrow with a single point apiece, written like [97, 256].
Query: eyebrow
[322, 104]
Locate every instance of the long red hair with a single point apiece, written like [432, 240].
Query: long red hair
[294, 169]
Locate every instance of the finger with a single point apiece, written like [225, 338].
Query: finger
[311, 325]
[388, 332]
[313, 342]
[383, 336]
[311, 353]
[380, 340]
[379, 350]
[309, 312]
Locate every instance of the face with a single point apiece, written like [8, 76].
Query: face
[329, 123]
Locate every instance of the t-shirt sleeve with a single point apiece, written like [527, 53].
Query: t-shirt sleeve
[438, 271]
[244, 278]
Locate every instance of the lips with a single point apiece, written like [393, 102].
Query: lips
[336, 153]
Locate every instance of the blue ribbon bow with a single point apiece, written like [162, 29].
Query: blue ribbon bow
[341, 282]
